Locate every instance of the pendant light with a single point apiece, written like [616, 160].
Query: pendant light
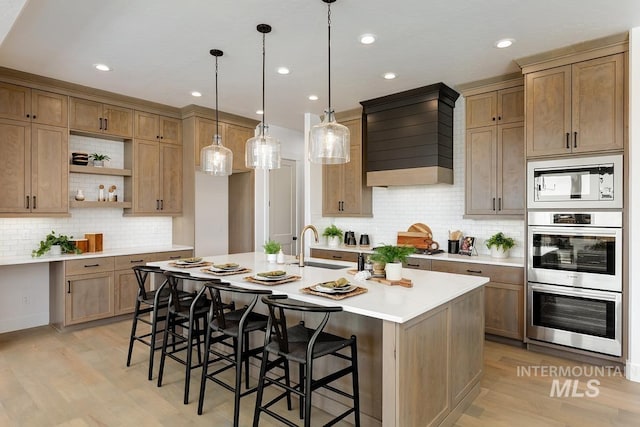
[216, 159]
[263, 151]
[329, 140]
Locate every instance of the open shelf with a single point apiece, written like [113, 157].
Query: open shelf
[99, 171]
[94, 204]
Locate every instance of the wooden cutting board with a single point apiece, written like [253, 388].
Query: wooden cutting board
[421, 228]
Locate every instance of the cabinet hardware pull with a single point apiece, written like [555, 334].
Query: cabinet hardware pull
[27, 202]
[34, 202]
[27, 116]
[157, 136]
[413, 265]
[136, 260]
[499, 117]
[493, 119]
[568, 140]
[161, 137]
[174, 257]
[493, 204]
[575, 140]
[499, 203]
[100, 123]
[161, 204]
[157, 204]
[68, 286]
[337, 256]
[91, 265]
[475, 271]
[106, 124]
[34, 116]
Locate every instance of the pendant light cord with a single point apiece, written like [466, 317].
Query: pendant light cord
[263, 73]
[329, 52]
[217, 123]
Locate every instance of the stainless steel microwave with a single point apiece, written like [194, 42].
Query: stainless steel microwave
[575, 183]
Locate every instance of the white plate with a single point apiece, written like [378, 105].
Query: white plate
[343, 290]
[189, 261]
[272, 278]
[229, 270]
[235, 267]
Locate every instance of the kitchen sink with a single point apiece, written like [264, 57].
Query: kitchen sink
[323, 265]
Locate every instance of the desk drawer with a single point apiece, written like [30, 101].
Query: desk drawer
[88, 265]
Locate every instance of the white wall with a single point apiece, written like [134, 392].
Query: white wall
[633, 361]
[440, 206]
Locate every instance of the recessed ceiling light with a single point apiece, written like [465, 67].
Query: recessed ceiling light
[102, 67]
[389, 76]
[283, 70]
[259, 112]
[367, 38]
[502, 43]
[313, 97]
[196, 93]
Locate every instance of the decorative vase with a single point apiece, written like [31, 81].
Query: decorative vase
[393, 270]
[333, 241]
[55, 250]
[499, 252]
[79, 195]
[98, 163]
[271, 258]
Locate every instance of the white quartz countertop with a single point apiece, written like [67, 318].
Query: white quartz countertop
[28, 259]
[392, 303]
[444, 256]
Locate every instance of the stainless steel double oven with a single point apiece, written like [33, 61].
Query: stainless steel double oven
[575, 280]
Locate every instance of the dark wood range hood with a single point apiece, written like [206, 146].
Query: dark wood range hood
[409, 137]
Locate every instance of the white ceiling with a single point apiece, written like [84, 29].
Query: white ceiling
[159, 49]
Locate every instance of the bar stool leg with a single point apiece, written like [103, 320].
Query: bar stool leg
[259, 393]
[307, 392]
[354, 379]
[165, 338]
[205, 365]
[133, 331]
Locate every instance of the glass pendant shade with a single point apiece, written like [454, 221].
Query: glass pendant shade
[216, 159]
[329, 142]
[262, 151]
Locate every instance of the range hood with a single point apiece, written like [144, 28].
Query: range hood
[409, 137]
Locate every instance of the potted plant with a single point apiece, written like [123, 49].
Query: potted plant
[56, 244]
[271, 248]
[333, 235]
[98, 159]
[392, 257]
[499, 244]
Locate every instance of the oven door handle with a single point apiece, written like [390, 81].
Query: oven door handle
[581, 293]
[577, 231]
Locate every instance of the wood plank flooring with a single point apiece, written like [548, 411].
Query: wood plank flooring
[80, 379]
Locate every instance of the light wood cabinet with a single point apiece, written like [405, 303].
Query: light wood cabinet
[577, 108]
[126, 284]
[33, 168]
[234, 137]
[157, 178]
[344, 192]
[334, 254]
[495, 107]
[504, 295]
[99, 118]
[33, 105]
[151, 126]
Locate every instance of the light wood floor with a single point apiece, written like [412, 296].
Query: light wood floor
[79, 378]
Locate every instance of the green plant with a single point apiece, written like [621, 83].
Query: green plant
[499, 240]
[332, 231]
[96, 156]
[271, 247]
[390, 253]
[66, 245]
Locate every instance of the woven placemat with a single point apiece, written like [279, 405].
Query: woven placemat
[272, 282]
[226, 273]
[357, 291]
[194, 265]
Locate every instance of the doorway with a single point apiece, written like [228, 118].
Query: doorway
[282, 205]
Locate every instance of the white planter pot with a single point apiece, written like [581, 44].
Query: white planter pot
[272, 258]
[393, 271]
[499, 252]
[55, 250]
[333, 241]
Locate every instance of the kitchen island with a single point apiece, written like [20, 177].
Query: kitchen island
[420, 348]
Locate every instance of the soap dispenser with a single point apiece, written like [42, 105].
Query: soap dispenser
[280, 257]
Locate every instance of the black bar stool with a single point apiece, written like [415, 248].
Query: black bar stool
[303, 345]
[189, 313]
[231, 330]
[152, 303]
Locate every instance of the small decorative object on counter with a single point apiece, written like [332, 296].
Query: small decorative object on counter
[62, 244]
[368, 265]
[79, 195]
[392, 257]
[280, 257]
[454, 241]
[101, 193]
[112, 193]
[499, 244]
[360, 262]
[98, 159]
[271, 248]
[467, 247]
[333, 235]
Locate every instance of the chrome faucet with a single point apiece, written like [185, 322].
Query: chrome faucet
[315, 235]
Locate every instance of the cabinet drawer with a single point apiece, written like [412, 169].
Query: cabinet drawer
[127, 261]
[495, 273]
[88, 265]
[165, 256]
[418, 263]
[337, 255]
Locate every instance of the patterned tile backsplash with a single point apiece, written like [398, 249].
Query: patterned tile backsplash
[439, 206]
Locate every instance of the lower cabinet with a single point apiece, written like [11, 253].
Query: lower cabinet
[83, 290]
[334, 254]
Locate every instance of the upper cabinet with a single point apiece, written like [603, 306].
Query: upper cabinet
[344, 192]
[156, 127]
[33, 105]
[99, 118]
[495, 107]
[576, 108]
[234, 137]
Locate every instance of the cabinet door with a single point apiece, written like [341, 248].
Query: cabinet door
[352, 178]
[15, 166]
[237, 137]
[118, 121]
[49, 169]
[88, 297]
[481, 110]
[146, 176]
[85, 115]
[205, 130]
[504, 310]
[49, 108]
[598, 104]
[480, 173]
[332, 189]
[146, 126]
[170, 130]
[548, 111]
[126, 291]
[511, 174]
[170, 178]
[15, 102]
[511, 105]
